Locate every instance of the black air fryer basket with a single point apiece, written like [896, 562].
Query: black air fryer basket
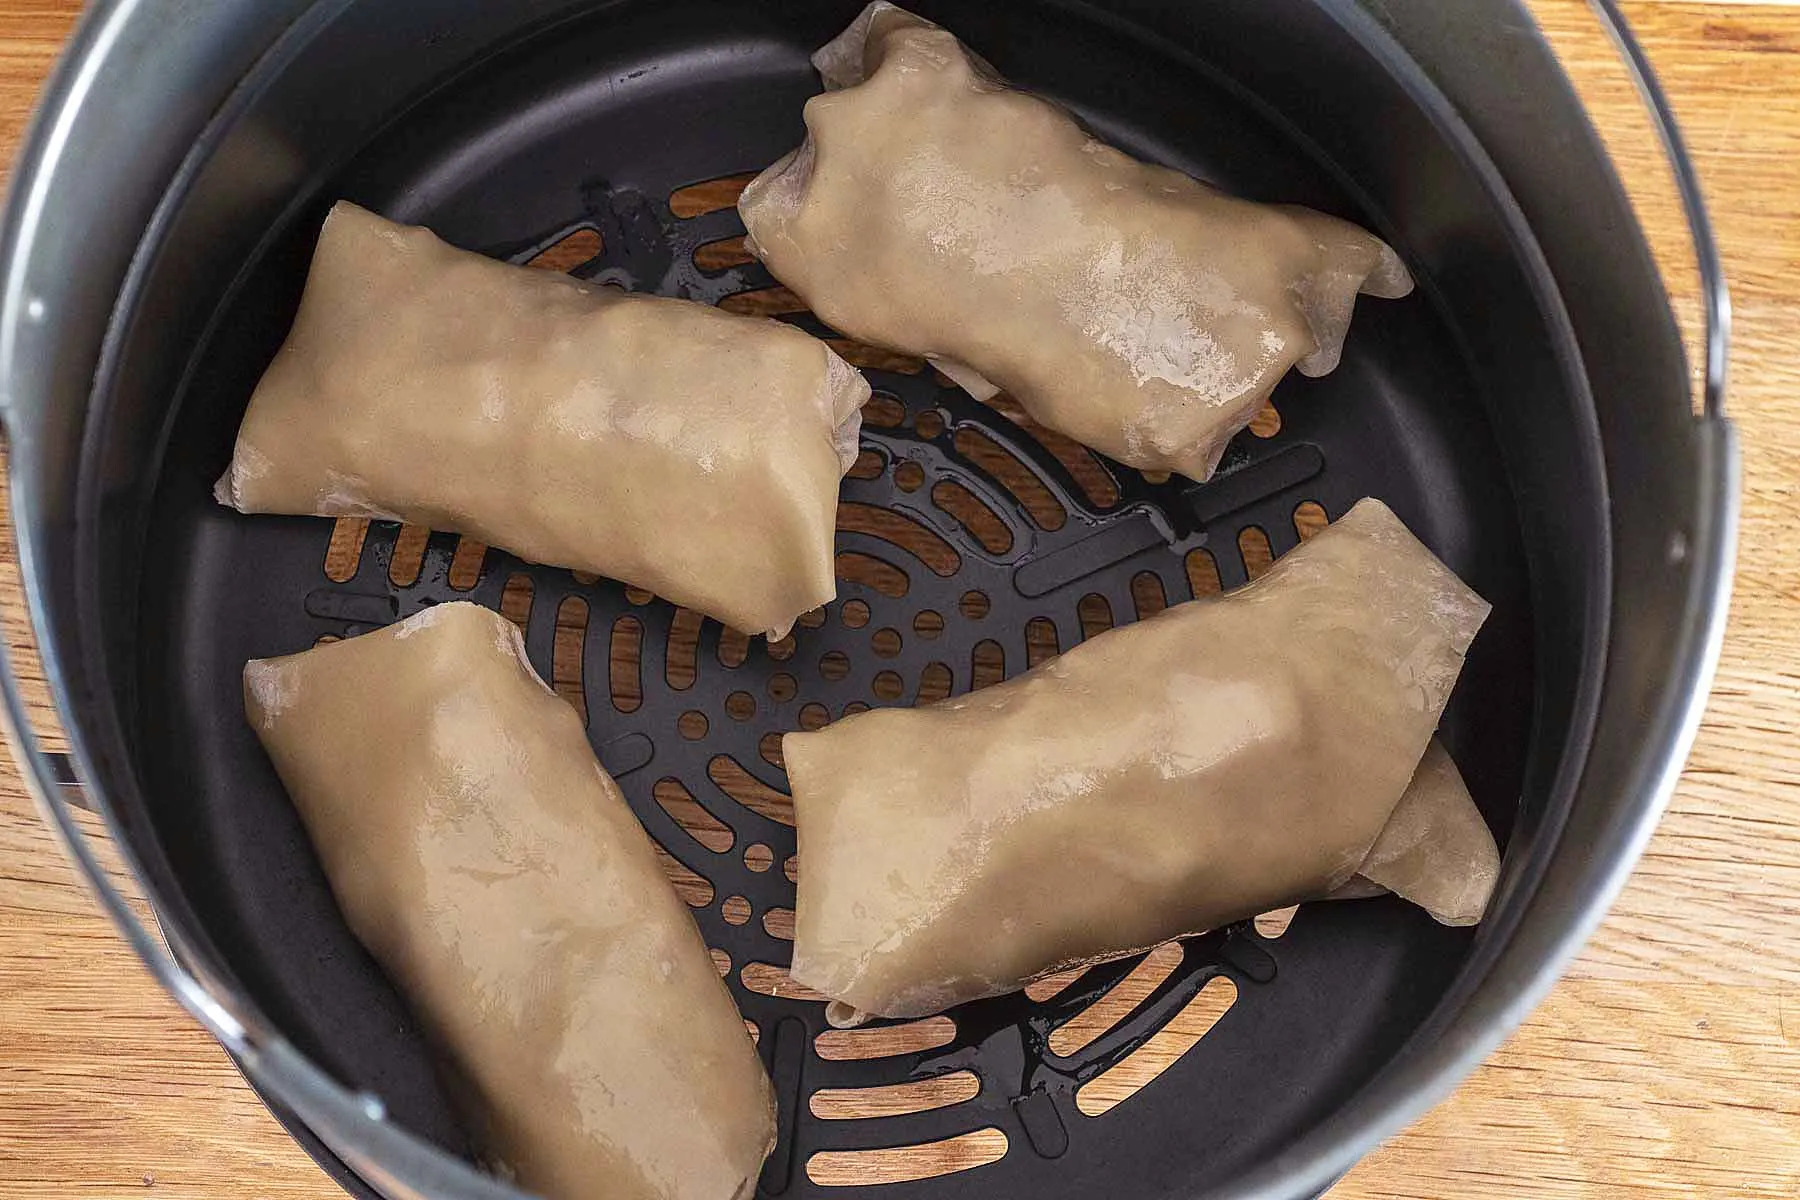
[1527, 413]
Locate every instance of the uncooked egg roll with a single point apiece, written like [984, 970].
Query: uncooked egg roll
[1227, 757]
[935, 210]
[493, 869]
[691, 452]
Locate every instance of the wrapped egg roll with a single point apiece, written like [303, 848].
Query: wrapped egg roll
[492, 868]
[934, 210]
[691, 452]
[1227, 757]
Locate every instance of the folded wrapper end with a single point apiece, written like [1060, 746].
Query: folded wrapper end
[1352, 263]
[1436, 849]
[841, 62]
[846, 391]
[840, 1014]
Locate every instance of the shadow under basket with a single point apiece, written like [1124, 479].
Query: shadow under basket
[1536, 372]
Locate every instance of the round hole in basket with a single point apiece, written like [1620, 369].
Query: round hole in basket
[981, 543]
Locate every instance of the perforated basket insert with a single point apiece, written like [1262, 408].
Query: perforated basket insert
[971, 546]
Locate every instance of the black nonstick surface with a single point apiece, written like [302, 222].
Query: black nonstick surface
[588, 141]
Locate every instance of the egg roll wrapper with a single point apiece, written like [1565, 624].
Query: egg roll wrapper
[493, 869]
[934, 210]
[1436, 849]
[688, 451]
[1227, 757]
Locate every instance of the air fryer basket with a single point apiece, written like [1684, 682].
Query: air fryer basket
[155, 245]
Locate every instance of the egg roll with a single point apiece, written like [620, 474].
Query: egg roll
[937, 211]
[692, 452]
[1227, 757]
[491, 866]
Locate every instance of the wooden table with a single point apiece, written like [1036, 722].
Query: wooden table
[1666, 1064]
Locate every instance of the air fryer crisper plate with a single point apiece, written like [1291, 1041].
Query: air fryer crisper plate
[971, 546]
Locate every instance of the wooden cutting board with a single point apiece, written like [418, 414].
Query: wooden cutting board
[1666, 1064]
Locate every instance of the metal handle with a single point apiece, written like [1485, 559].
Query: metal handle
[1715, 293]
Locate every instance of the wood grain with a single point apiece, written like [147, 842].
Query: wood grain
[1668, 1062]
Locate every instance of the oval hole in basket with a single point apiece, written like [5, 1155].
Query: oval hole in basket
[883, 411]
[776, 301]
[1266, 423]
[736, 910]
[1041, 643]
[1147, 595]
[569, 252]
[814, 716]
[885, 1041]
[868, 465]
[1094, 480]
[1273, 924]
[1253, 547]
[1310, 518]
[734, 647]
[791, 868]
[928, 623]
[1118, 1002]
[767, 979]
[465, 565]
[888, 685]
[886, 642]
[637, 595]
[758, 857]
[768, 748]
[693, 888]
[901, 531]
[624, 664]
[974, 605]
[1044, 509]
[935, 683]
[901, 1164]
[682, 656]
[723, 254]
[698, 199]
[875, 358]
[779, 923]
[1202, 574]
[515, 598]
[1096, 615]
[980, 520]
[344, 554]
[987, 665]
[895, 1099]
[872, 573]
[694, 820]
[566, 652]
[722, 960]
[1051, 986]
[740, 706]
[855, 614]
[731, 778]
[409, 555]
[1136, 1070]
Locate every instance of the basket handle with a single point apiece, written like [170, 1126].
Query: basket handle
[1715, 293]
